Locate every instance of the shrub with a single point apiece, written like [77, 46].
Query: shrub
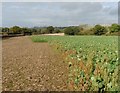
[71, 31]
[76, 30]
[57, 31]
[50, 29]
[114, 28]
[99, 30]
[86, 32]
[43, 31]
[15, 29]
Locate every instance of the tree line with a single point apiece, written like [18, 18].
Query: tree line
[29, 31]
[114, 29]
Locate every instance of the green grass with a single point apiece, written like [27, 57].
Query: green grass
[37, 39]
[92, 60]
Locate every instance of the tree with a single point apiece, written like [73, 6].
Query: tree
[26, 31]
[33, 30]
[114, 28]
[99, 30]
[56, 31]
[76, 30]
[71, 30]
[15, 29]
[39, 31]
[43, 30]
[5, 29]
[50, 29]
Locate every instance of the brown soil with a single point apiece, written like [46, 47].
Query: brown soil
[31, 66]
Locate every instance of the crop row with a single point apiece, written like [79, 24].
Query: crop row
[92, 60]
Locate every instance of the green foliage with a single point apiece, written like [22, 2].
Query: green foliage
[43, 31]
[57, 31]
[99, 30]
[0, 29]
[42, 40]
[5, 29]
[26, 31]
[114, 28]
[92, 60]
[76, 30]
[36, 31]
[15, 29]
[39, 31]
[50, 29]
[37, 39]
[71, 30]
[86, 32]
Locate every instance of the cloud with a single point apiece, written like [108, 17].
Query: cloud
[60, 0]
[59, 14]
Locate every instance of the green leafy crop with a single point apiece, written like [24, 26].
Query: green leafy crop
[92, 60]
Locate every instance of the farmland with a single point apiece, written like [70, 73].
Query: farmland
[29, 66]
[60, 46]
[92, 60]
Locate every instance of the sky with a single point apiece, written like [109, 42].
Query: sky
[60, 0]
[30, 14]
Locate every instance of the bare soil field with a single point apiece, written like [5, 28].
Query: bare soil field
[31, 66]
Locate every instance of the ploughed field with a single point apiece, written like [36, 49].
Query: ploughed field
[31, 66]
[92, 61]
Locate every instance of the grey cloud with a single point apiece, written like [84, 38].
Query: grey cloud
[58, 14]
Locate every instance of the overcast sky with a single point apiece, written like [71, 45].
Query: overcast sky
[29, 14]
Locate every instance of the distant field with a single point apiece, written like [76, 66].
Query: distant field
[92, 60]
[55, 34]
